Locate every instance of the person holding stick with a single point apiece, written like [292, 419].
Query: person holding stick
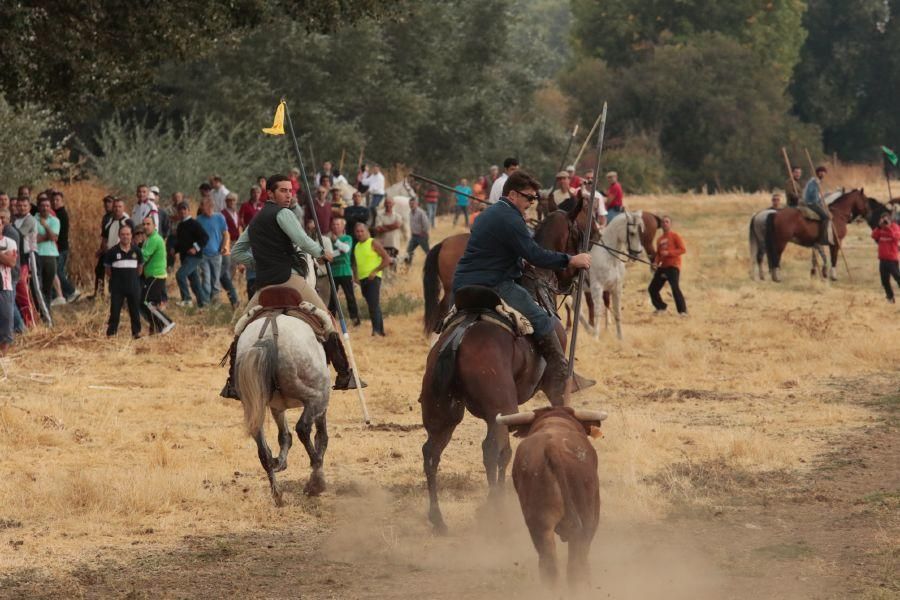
[276, 245]
[813, 199]
[793, 185]
[499, 242]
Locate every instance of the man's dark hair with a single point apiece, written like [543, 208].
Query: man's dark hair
[205, 187]
[821, 169]
[274, 180]
[510, 162]
[183, 206]
[520, 180]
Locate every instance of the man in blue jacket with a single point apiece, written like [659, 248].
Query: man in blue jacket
[813, 198]
[498, 244]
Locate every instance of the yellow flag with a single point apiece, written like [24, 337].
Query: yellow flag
[277, 127]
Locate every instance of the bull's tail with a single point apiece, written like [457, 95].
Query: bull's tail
[571, 520]
[431, 284]
[771, 253]
[255, 382]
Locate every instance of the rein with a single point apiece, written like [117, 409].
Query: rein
[613, 251]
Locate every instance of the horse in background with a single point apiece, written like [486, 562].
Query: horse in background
[607, 273]
[771, 230]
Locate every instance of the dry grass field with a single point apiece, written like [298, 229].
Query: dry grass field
[751, 452]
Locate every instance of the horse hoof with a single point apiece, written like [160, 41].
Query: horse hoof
[315, 486]
[276, 496]
[279, 466]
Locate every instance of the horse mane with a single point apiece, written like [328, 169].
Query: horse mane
[540, 232]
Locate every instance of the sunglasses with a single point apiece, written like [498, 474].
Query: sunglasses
[531, 197]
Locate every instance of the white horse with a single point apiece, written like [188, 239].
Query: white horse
[280, 364]
[607, 273]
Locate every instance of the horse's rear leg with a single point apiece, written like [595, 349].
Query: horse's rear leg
[617, 310]
[265, 458]
[284, 440]
[316, 483]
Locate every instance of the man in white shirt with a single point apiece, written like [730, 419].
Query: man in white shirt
[374, 179]
[219, 193]
[510, 166]
[145, 207]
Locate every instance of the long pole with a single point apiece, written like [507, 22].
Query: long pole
[341, 165]
[562, 163]
[790, 172]
[447, 187]
[587, 140]
[585, 244]
[837, 240]
[315, 218]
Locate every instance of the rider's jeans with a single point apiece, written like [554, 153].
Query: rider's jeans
[519, 298]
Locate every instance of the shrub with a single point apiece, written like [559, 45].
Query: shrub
[25, 144]
[178, 155]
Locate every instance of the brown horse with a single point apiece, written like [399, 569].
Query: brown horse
[441, 261]
[770, 231]
[489, 371]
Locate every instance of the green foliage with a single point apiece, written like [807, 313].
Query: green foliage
[625, 31]
[179, 155]
[639, 163]
[73, 55]
[431, 90]
[847, 77]
[718, 117]
[25, 144]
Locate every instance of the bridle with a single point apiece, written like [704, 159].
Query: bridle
[633, 227]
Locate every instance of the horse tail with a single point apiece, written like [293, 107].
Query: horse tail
[431, 283]
[770, 241]
[255, 382]
[754, 247]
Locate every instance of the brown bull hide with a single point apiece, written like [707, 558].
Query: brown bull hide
[555, 475]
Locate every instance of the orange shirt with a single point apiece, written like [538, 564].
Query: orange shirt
[672, 243]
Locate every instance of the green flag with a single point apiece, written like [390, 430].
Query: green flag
[889, 155]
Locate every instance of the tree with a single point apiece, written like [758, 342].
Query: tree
[25, 144]
[623, 32]
[846, 78]
[73, 55]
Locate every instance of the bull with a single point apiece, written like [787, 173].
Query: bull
[555, 476]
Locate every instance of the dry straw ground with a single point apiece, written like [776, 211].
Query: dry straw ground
[122, 471]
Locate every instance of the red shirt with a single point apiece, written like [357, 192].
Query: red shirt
[323, 214]
[888, 239]
[575, 182]
[614, 196]
[431, 196]
[295, 185]
[247, 211]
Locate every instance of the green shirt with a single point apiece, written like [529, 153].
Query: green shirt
[48, 247]
[340, 266]
[154, 252]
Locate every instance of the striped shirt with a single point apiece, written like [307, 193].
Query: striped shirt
[125, 266]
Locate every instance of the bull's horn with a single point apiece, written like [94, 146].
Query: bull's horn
[522, 418]
[582, 414]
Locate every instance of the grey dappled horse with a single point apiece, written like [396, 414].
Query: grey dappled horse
[280, 364]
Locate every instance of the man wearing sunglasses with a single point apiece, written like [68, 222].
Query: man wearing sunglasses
[498, 244]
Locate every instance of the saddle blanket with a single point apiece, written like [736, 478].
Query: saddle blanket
[506, 317]
[318, 319]
[808, 213]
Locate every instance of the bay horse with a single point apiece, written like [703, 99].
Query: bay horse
[489, 371]
[280, 364]
[771, 230]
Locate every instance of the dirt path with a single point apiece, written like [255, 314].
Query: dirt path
[829, 533]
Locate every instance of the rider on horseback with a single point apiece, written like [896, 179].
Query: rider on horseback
[498, 244]
[813, 198]
[275, 242]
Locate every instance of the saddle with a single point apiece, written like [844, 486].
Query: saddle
[808, 213]
[479, 303]
[284, 300]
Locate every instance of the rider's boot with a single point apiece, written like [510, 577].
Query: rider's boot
[337, 356]
[229, 391]
[550, 349]
[823, 235]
